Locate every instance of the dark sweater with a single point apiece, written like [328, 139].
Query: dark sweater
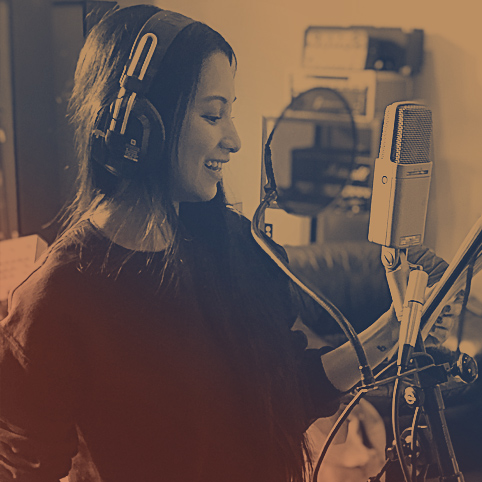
[161, 384]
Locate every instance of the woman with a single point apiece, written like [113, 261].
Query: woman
[154, 327]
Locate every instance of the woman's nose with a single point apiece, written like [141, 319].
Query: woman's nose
[231, 140]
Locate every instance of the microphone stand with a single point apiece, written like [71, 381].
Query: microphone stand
[396, 266]
[434, 407]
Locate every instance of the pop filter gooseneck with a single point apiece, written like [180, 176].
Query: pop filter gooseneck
[366, 374]
[270, 196]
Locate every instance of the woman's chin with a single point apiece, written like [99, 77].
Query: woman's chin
[198, 196]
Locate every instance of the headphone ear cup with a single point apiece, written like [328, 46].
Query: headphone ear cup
[144, 137]
[138, 149]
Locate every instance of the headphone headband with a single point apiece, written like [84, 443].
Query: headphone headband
[149, 48]
[161, 29]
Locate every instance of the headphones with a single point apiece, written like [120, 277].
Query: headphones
[129, 134]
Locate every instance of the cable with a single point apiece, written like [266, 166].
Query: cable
[357, 398]
[413, 444]
[396, 430]
[405, 374]
[465, 300]
[378, 477]
[395, 418]
[334, 430]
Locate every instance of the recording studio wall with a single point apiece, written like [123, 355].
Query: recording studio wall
[37, 155]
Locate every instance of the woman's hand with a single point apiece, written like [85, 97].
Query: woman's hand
[446, 321]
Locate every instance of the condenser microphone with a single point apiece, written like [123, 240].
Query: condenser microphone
[401, 179]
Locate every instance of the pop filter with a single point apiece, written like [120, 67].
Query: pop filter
[302, 161]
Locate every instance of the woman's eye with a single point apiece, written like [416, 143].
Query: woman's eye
[212, 118]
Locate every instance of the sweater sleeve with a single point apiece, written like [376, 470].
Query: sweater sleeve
[38, 437]
[321, 398]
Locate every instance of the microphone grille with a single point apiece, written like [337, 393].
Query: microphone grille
[412, 134]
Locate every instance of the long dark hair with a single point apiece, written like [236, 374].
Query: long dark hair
[269, 367]
[252, 305]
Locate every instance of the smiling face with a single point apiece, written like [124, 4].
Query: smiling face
[208, 135]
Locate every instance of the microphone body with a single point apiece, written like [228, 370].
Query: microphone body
[401, 178]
